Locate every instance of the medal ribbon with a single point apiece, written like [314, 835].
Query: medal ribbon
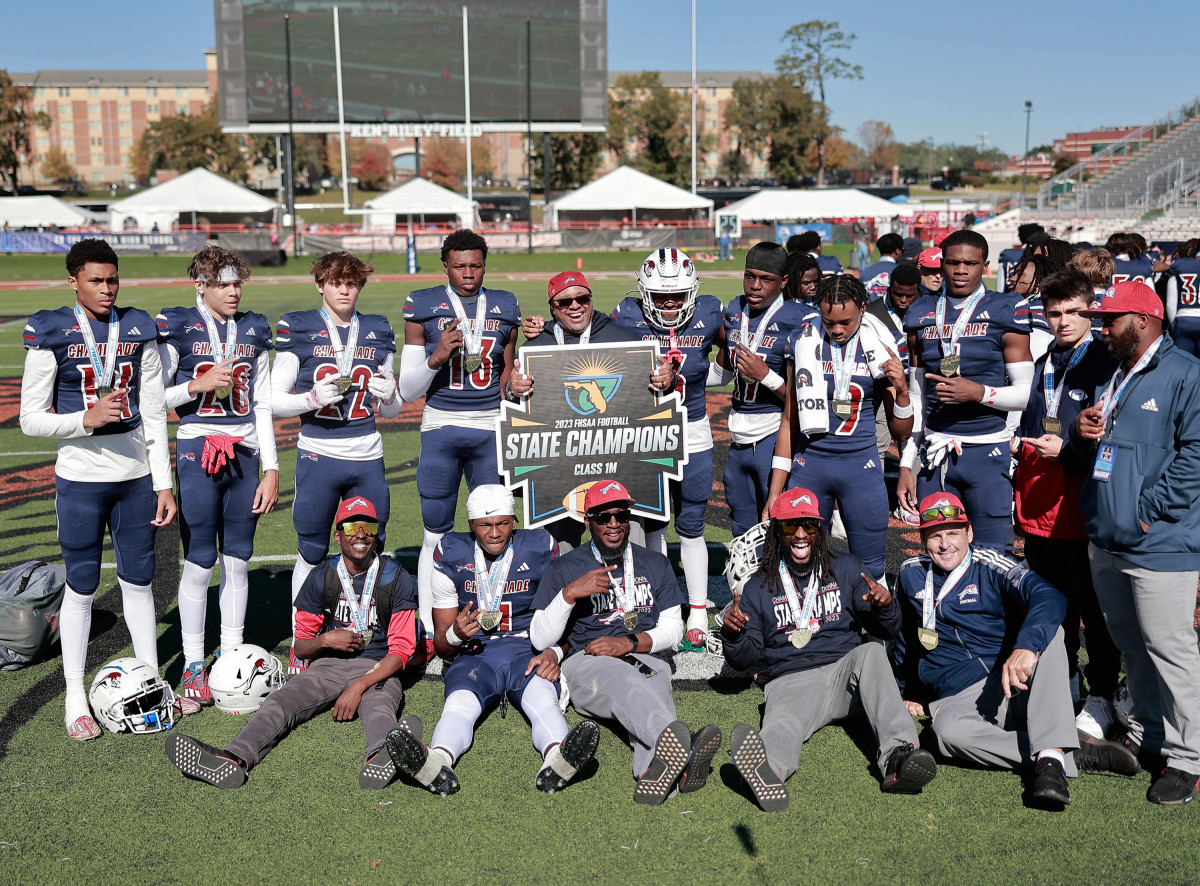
[490, 580]
[472, 330]
[751, 342]
[359, 606]
[802, 616]
[964, 318]
[104, 373]
[342, 356]
[584, 338]
[1111, 396]
[929, 605]
[623, 590]
[844, 358]
[214, 336]
[1054, 393]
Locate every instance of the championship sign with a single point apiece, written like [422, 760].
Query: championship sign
[591, 417]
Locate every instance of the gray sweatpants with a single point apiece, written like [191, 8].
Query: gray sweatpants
[1149, 616]
[982, 726]
[610, 689]
[312, 692]
[799, 704]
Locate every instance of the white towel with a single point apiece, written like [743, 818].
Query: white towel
[874, 348]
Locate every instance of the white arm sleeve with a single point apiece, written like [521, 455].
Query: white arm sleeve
[1172, 298]
[550, 624]
[390, 410]
[445, 595]
[264, 423]
[415, 374]
[284, 403]
[37, 399]
[718, 375]
[173, 395]
[916, 396]
[1014, 396]
[668, 632]
[1040, 341]
[154, 418]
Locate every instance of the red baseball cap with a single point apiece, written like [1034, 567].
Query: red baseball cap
[1130, 297]
[605, 492]
[356, 507]
[930, 258]
[559, 282]
[795, 504]
[936, 502]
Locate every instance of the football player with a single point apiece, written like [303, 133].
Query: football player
[1183, 297]
[93, 381]
[875, 277]
[217, 375]
[1131, 264]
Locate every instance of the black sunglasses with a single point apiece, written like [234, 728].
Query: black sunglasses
[603, 518]
[563, 303]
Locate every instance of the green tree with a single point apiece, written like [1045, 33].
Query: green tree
[811, 57]
[746, 117]
[18, 121]
[879, 144]
[648, 127]
[310, 156]
[574, 160]
[190, 141]
[57, 166]
[794, 123]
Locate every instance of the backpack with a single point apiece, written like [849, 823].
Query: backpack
[28, 594]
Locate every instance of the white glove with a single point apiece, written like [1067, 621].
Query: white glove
[382, 387]
[323, 393]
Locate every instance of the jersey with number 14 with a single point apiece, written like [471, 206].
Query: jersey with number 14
[750, 396]
[453, 387]
[533, 549]
[696, 342]
[303, 333]
[183, 329]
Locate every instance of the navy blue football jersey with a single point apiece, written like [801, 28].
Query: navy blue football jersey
[696, 342]
[454, 388]
[533, 549]
[856, 433]
[183, 328]
[1005, 264]
[1186, 272]
[303, 333]
[829, 264]
[876, 278]
[749, 396]
[1140, 268]
[75, 384]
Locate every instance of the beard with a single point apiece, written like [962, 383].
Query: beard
[1124, 346]
[607, 553]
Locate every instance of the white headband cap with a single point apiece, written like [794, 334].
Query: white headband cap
[490, 500]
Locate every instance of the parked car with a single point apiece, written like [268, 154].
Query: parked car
[942, 184]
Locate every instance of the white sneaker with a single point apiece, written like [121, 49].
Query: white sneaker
[1096, 718]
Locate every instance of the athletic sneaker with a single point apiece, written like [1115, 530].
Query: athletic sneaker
[1173, 788]
[84, 728]
[203, 762]
[427, 768]
[378, 772]
[568, 757]
[195, 683]
[671, 752]
[1096, 755]
[693, 641]
[907, 769]
[183, 707]
[705, 745]
[1050, 783]
[1096, 718]
[750, 757]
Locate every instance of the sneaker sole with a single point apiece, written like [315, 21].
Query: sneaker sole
[671, 752]
[749, 756]
[577, 750]
[410, 757]
[377, 773]
[705, 745]
[196, 761]
[1106, 758]
[914, 773]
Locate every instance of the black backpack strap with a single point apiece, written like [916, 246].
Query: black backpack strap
[384, 594]
[329, 599]
[29, 575]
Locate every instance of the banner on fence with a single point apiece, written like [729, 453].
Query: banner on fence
[56, 241]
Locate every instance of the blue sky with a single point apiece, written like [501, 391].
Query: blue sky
[946, 70]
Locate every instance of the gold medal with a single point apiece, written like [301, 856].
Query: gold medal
[103, 391]
[489, 619]
[800, 637]
[928, 638]
[631, 621]
[1051, 425]
[843, 409]
[223, 391]
[472, 362]
[344, 383]
[950, 365]
[367, 637]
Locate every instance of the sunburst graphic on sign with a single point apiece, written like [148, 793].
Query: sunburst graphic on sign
[591, 383]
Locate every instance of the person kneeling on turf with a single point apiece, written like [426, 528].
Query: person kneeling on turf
[976, 611]
[799, 620]
[355, 666]
[484, 582]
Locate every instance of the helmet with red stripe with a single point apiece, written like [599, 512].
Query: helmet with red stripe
[669, 274]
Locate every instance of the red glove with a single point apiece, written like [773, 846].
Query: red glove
[218, 451]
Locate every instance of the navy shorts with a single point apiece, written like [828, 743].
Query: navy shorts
[497, 668]
[322, 483]
[446, 455]
[981, 478]
[219, 507]
[855, 479]
[747, 481]
[85, 510]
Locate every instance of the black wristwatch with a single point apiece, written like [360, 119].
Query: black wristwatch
[634, 640]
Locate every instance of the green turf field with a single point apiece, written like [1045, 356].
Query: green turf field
[116, 811]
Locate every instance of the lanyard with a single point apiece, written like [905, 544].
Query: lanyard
[342, 356]
[801, 616]
[584, 337]
[359, 606]
[964, 317]
[214, 336]
[472, 330]
[1111, 396]
[751, 342]
[622, 590]
[104, 373]
[490, 580]
[1054, 393]
[928, 615]
[844, 358]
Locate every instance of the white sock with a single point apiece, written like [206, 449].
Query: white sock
[137, 602]
[235, 590]
[539, 701]
[456, 729]
[74, 625]
[300, 572]
[429, 543]
[656, 540]
[1053, 755]
[693, 557]
[193, 603]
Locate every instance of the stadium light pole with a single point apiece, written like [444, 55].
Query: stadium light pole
[529, 133]
[693, 98]
[290, 144]
[337, 51]
[467, 102]
[1025, 164]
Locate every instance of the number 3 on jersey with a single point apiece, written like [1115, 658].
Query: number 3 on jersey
[481, 378]
[355, 399]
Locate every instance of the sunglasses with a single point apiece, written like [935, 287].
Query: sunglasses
[605, 517]
[810, 525]
[945, 512]
[351, 527]
[563, 303]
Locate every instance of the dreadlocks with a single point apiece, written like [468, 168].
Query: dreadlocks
[774, 550]
[839, 289]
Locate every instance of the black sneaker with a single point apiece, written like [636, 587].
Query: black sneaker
[203, 762]
[750, 757]
[671, 751]
[1096, 755]
[705, 745]
[565, 760]
[414, 760]
[1173, 788]
[907, 770]
[1050, 783]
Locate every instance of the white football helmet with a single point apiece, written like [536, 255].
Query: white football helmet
[668, 270]
[242, 677]
[128, 695]
[745, 555]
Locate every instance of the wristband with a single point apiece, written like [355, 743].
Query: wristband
[634, 640]
[779, 463]
[558, 653]
[902, 411]
[452, 638]
[772, 380]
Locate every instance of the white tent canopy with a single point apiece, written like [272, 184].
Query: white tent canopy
[420, 199]
[800, 205]
[198, 192]
[629, 192]
[41, 212]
